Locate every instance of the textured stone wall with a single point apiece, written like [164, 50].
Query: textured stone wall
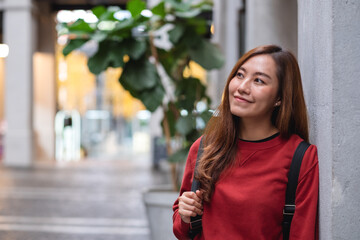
[271, 22]
[19, 148]
[329, 55]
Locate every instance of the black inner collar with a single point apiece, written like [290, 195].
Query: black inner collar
[263, 140]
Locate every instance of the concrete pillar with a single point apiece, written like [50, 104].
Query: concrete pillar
[18, 34]
[44, 106]
[44, 84]
[271, 22]
[329, 57]
[2, 90]
[226, 35]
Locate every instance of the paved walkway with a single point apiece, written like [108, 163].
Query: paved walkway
[88, 200]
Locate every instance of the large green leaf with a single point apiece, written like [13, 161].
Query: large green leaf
[166, 59]
[99, 11]
[152, 98]
[188, 92]
[72, 45]
[109, 54]
[98, 62]
[193, 135]
[115, 58]
[176, 33]
[80, 26]
[199, 24]
[172, 59]
[126, 24]
[135, 49]
[159, 9]
[179, 5]
[206, 54]
[190, 38]
[188, 14]
[135, 7]
[206, 115]
[184, 125]
[135, 93]
[179, 156]
[123, 29]
[104, 14]
[99, 36]
[205, 6]
[140, 75]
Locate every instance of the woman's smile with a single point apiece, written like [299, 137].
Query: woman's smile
[242, 100]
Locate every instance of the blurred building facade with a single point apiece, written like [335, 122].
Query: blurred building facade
[35, 93]
[323, 34]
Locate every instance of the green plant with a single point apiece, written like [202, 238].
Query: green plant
[152, 73]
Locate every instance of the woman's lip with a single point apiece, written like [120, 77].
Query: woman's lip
[240, 99]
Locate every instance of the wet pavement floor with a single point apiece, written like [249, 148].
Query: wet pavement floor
[86, 200]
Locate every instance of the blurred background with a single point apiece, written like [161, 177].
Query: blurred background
[107, 120]
[66, 132]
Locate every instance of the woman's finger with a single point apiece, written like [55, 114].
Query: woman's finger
[192, 195]
[199, 194]
[194, 209]
[191, 202]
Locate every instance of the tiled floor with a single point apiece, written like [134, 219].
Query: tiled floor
[92, 200]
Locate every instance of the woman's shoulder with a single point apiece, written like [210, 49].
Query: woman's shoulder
[195, 147]
[296, 140]
[310, 158]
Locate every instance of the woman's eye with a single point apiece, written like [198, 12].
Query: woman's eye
[239, 75]
[258, 80]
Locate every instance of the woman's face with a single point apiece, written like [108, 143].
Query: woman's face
[253, 92]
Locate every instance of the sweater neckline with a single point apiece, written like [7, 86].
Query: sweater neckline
[268, 142]
[262, 140]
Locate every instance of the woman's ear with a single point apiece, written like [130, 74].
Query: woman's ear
[278, 103]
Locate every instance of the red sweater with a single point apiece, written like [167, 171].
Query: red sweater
[248, 200]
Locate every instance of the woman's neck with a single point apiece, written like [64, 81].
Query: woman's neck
[256, 130]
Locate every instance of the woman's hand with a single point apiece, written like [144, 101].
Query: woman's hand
[190, 205]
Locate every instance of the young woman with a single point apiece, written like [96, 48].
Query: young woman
[248, 148]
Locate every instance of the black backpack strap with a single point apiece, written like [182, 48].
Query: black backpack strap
[289, 208]
[196, 222]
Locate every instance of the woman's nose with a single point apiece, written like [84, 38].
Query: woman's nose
[244, 86]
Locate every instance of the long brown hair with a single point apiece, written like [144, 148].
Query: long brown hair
[222, 131]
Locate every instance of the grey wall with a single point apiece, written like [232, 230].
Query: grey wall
[226, 35]
[271, 22]
[346, 107]
[19, 26]
[329, 55]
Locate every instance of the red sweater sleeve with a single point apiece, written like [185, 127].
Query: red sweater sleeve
[305, 221]
[180, 228]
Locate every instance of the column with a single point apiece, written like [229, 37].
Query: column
[329, 56]
[271, 22]
[18, 34]
[44, 108]
[226, 35]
